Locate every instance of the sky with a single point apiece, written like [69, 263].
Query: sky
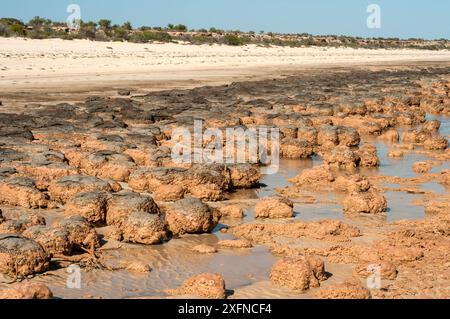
[399, 18]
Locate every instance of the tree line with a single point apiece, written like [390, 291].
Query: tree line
[105, 30]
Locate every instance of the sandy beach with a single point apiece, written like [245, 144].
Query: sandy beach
[54, 63]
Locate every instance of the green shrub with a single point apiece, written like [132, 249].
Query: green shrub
[201, 39]
[120, 34]
[10, 21]
[89, 24]
[4, 30]
[39, 22]
[17, 29]
[104, 24]
[127, 26]
[42, 28]
[36, 34]
[180, 27]
[146, 36]
[231, 39]
[101, 36]
[87, 32]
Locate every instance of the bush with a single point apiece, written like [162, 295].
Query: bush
[87, 32]
[89, 24]
[36, 34]
[104, 24]
[231, 39]
[101, 36]
[39, 22]
[120, 34]
[4, 30]
[157, 36]
[137, 37]
[127, 26]
[67, 36]
[17, 29]
[308, 42]
[180, 27]
[10, 21]
[105, 31]
[146, 36]
[201, 39]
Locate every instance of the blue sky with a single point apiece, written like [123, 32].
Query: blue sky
[400, 18]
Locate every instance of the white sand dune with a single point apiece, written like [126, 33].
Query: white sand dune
[26, 63]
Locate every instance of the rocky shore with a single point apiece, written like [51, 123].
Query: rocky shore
[94, 184]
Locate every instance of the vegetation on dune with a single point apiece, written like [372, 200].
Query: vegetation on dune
[232, 39]
[105, 30]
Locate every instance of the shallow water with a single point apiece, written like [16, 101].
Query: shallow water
[401, 207]
[400, 203]
[445, 124]
[288, 169]
[171, 263]
[434, 187]
[401, 167]
[246, 271]
[328, 204]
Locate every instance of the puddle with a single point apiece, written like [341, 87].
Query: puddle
[172, 263]
[313, 212]
[288, 169]
[401, 207]
[434, 187]
[445, 124]
[307, 212]
[401, 167]
[328, 204]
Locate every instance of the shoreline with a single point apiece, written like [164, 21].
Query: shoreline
[15, 97]
[53, 71]
[54, 63]
[61, 71]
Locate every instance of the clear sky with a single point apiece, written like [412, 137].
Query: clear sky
[399, 18]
